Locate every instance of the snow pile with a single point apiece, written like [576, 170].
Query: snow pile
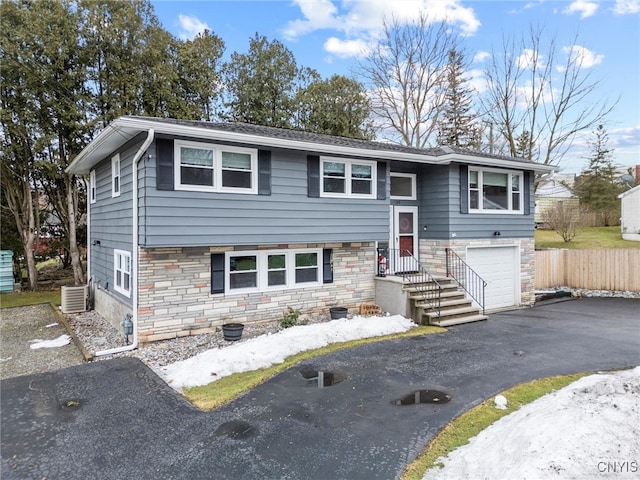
[267, 350]
[589, 429]
[500, 402]
[61, 341]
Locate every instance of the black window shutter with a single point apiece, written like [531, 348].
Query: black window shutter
[164, 164]
[464, 189]
[217, 272]
[526, 192]
[382, 181]
[327, 265]
[313, 176]
[264, 172]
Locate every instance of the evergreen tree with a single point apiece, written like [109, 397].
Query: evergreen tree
[337, 106]
[457, 123]
[70, 68]
[200, 76]
[596, 187]
[261, 84]
[524, 145]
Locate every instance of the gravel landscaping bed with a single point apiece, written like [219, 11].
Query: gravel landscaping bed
[97, 334]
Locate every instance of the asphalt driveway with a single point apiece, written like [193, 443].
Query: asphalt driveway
[117, 420]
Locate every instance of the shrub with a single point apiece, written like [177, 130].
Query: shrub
[290, 318]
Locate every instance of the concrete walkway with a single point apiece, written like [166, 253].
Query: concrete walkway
[117, 420]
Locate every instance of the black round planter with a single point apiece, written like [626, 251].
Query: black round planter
[232, 331]
[338, 312]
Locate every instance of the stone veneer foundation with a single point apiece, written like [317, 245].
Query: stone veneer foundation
[433, 257]
[175, 284]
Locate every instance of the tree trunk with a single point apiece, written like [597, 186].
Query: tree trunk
[29, 232]
[72, 200]
[28, 240]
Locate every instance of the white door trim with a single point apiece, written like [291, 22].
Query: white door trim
[400, 263]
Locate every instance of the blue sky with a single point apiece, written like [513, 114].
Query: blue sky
[329, 36]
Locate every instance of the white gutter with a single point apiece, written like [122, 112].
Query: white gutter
[134, 254]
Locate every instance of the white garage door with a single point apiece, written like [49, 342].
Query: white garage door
[499, 267]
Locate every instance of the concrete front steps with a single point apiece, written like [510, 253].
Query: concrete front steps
[455, 306]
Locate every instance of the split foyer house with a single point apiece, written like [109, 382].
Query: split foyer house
[195, 224]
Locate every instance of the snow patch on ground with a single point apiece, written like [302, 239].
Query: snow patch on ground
[589, 429]
[267, 350]
[61, 341]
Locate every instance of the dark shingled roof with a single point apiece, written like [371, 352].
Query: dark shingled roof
[319, 138]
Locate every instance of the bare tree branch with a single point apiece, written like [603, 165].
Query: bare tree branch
[534, 87]
[406, 76]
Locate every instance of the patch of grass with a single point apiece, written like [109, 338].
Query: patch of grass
[458, 432]
[587, 238]
[217, 393]
[23, 299]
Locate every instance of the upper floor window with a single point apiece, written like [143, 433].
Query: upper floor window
[204, 167]
[403, 186]
[92, 186]
[347, 178]
[495, 190]
[115, 175]
[122, 272]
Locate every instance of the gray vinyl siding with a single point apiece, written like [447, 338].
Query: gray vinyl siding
[436, 199]
[288, 215]
[439, 209]
[111, 222]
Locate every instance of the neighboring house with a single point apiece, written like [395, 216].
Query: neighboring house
[233, 222]
[630, 214]
[554, 190]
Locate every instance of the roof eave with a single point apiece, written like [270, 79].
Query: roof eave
[124, 129]
[496, 162]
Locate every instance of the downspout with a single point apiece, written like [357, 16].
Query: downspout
[134, 254]
[87, 186]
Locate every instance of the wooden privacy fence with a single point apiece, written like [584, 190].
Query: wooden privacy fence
[615, 269]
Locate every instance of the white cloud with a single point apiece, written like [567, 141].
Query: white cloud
[346, 48]
[625, 136]
[585, 8]
[190, 27]
[530, 58]
[318, 14]
[585, 57]
[361, 20]
[533, 4]
[481, 56]
[477, 80]
[625, 7]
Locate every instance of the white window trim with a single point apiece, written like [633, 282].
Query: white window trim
[510, 210]
[262, 270]
[115, 173]
[116, 287]
[413, 178]
[217, 168]
[348, 164]
[92, 186]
